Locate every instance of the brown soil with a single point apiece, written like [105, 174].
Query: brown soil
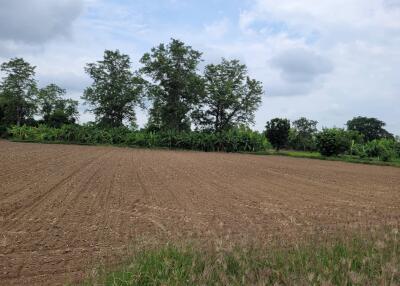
[63, 208]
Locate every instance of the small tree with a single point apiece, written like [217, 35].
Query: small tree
[303, 134]
[115, 91]
[231, 97]
[55, 109]
[17, 92]
[277, 132]
[370, 128]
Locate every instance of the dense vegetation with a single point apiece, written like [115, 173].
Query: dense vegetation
[21, 99]
[277, 131]
[233, 140]
[208, 111]
[349, 260]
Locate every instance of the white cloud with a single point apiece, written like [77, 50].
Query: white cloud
[217, 29]
[357, 44]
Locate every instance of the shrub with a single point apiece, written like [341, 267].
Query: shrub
[334, 141]
[359, 150]
[396, 146]
[384, 149]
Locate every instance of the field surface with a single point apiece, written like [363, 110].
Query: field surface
[64, 207]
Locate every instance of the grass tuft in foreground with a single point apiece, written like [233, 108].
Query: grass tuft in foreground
[350, 261]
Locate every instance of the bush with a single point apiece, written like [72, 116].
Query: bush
[359, 150]
[334, 141]
[383, 149]
[397, 148]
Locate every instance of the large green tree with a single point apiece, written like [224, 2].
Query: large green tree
[55, 109]
[115, 91]
[231, 97]
[371, 128]
[277, 132]
[17, 92]
[175, 87]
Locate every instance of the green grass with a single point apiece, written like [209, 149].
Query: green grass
[343, 158]
[354, 260]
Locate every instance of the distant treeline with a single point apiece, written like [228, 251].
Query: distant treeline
[209, 110]
[168, 84]
[364, 137]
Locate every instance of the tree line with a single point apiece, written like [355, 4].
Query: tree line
[169, 83]
[21, 99]
[180, 99]
[363, 137]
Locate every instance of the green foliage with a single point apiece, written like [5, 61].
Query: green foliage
[235, 140]
[302, 135]
[334, 141]
[277, 132]
[3, 131]
[56, 110]
[383, 149]
[115, 91]
[20, 99]
[397, 148]
[231, 97]
[175, 88]
[351, 260]
[17, 92]
[370, 128]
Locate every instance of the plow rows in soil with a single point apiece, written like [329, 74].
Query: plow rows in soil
[64, 207]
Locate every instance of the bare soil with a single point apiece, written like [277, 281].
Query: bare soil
[63, 207]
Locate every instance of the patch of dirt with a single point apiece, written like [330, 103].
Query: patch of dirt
[63, 208]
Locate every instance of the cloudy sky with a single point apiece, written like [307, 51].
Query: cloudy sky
[326, 60]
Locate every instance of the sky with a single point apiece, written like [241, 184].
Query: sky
[326, 60]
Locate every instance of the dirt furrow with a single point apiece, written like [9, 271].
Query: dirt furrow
[64, 208]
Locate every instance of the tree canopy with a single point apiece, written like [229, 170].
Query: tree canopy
[304, 131]
[115, 91]
[371, 128]
[55, 109]
[175, 87]
[277, 132]
[231, 97]
[17, 91]
[223, 99]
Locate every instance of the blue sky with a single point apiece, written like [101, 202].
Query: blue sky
[327, 60]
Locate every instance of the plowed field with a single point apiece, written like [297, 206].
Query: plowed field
[63, 207]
